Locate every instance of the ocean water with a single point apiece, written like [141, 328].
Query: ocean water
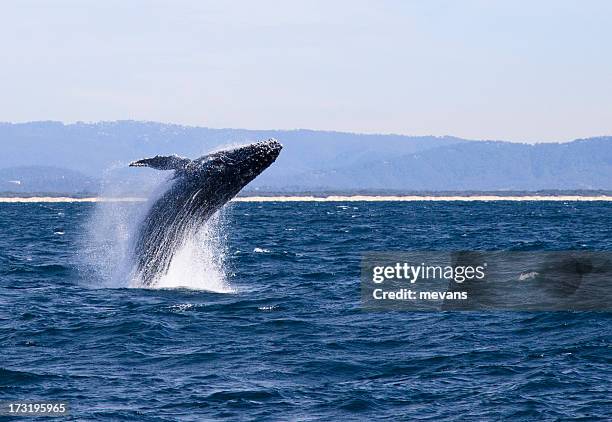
[270, 326]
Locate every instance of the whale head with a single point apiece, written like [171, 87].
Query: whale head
[237, 166]
[215, 178]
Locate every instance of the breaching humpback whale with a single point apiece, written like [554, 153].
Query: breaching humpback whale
[198, 189]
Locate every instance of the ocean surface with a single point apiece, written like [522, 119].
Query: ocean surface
[271, 326]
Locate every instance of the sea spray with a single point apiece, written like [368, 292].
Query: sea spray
[105, 250]
[107, 245]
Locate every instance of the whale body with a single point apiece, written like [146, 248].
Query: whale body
[197, 190]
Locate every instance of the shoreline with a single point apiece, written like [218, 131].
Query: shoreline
[333, 198]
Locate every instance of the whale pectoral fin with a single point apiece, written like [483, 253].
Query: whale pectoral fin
[160, 162]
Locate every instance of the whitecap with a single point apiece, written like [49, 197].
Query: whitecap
[268, 308]
[528, 276]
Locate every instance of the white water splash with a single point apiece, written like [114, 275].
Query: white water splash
[199, 263]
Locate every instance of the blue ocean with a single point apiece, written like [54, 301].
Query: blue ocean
[260, 317]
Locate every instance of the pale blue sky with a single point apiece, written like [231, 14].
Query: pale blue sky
[515, 70]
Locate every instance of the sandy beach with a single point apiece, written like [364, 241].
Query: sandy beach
[334, 198]
[415, 198]
[35, 199]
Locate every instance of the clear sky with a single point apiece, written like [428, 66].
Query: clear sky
[514, 70]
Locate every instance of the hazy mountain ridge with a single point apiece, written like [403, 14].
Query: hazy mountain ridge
[311, 160]
[481, 166]
[46, 179]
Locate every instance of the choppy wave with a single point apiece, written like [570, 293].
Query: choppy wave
[292, 342]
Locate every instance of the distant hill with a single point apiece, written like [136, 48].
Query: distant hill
[44, 179]
[47, 156]
[476, 166]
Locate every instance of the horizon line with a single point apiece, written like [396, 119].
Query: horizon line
[331, 198]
